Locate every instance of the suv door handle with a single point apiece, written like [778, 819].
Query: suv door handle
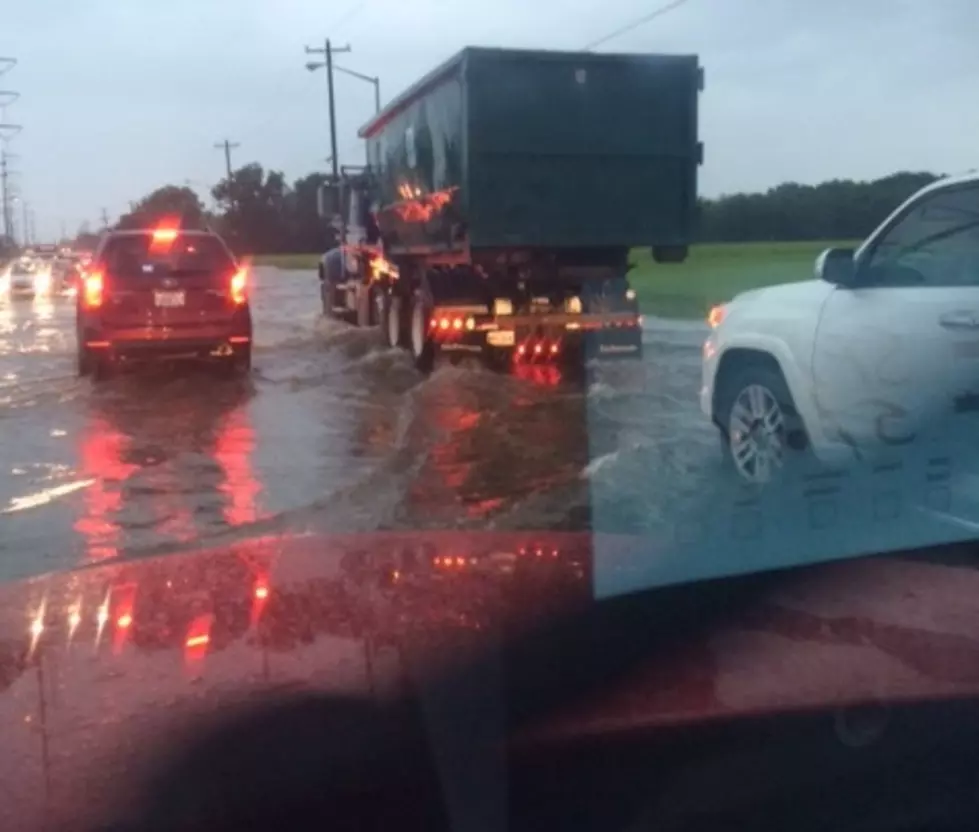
[960, 319]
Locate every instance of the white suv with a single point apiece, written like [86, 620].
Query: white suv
[877, 349]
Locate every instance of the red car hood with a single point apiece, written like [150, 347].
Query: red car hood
[99, 665]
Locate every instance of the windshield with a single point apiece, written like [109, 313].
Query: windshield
[603, 374]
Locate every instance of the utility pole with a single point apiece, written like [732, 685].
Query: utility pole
[329, 51]
[27, 225]
[228, 146]
[8, 231]
[105, 220]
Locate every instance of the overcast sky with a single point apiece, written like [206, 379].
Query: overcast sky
[121, 96]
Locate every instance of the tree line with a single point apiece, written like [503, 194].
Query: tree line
[259, 212]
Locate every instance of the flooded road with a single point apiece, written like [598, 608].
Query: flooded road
[332, 432]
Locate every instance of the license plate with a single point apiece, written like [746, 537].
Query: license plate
[168, 299]
[501, 338]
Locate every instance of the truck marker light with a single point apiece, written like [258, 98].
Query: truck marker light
[457, 323]
[538, 348]
[553, 349]
[444, 323]
[470, 324]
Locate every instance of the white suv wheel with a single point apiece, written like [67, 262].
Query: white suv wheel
[756, 434]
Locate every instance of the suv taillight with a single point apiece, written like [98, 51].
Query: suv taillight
[239, 286]
[92, 290]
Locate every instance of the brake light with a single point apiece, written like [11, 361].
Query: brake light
[164, 235]
[93, 289]
[239, 285]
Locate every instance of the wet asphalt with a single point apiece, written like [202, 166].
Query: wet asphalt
[331, 432]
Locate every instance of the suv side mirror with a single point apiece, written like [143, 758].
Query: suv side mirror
[328, 200]
[836, 266]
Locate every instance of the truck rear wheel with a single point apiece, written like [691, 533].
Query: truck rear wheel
[393, 334]
[422, 346]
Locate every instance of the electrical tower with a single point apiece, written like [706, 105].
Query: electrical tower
[7, 131]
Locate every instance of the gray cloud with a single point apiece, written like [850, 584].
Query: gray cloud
[119, 97]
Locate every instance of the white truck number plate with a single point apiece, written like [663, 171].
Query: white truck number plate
[169, 299]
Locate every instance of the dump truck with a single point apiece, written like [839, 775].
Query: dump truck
[501, 197]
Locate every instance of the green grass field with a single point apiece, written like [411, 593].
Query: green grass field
[713, 273]
[716, 272]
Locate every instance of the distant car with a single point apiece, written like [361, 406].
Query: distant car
[67, 275]
[26, 277]
[163, 293]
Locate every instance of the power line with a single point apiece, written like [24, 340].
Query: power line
[351, 13]
[635, 24]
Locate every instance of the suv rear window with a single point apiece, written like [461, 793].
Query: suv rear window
[135, 255]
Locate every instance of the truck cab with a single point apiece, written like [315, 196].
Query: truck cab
[346, 277]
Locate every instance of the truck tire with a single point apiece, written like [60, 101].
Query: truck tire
[393, 320]
[331, 273]
[365, 306]
[422, 346]
[378, 300]
[762, 435]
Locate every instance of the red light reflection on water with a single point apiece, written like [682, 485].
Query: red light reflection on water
[234, 447]
[198, 639]
[101, 458]
[174, 496]
[546, 375]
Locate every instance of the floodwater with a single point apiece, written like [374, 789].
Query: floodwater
[332, 432]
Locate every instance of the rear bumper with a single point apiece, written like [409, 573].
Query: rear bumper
[199, 343]
[549, 339]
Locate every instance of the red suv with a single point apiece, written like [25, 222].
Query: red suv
[163, 294]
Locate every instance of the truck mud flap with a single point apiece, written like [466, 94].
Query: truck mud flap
[612, 345]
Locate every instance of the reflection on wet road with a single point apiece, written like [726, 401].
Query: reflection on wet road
[331, 433]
